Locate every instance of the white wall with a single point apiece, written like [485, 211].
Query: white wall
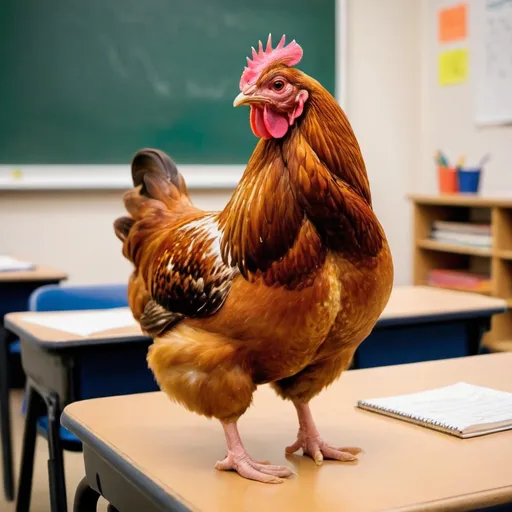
[448, 122]
[383, 84]
[73, 230]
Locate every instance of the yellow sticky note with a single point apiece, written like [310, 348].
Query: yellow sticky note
[453, 66]
[17, 174]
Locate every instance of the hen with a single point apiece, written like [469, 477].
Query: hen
[282, 285]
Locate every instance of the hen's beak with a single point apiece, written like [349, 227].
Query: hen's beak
[242, 99]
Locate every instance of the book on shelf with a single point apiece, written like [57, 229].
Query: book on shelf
[459, 279]
[463, 227]
[462, 233]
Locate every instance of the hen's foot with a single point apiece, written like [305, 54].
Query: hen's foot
[313, 445]
[316, 448]
[238, 460]
[248, 468]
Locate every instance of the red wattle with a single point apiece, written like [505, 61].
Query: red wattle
[275, 124]
[258, 124]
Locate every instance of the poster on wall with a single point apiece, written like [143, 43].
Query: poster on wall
[492, 39]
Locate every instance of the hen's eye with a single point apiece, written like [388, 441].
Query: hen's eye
[278, 85]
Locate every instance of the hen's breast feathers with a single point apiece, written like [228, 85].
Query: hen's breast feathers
[287, 212]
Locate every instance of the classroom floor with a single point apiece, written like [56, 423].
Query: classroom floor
[40, 495]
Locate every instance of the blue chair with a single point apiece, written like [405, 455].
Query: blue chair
[68, 298]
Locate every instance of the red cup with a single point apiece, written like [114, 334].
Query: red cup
[448, 180]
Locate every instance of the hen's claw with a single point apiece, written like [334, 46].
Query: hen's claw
[238, 460]
[313, 445]
[248, 468]
[316, 448]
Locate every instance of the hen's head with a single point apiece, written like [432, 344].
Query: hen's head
[273, 89]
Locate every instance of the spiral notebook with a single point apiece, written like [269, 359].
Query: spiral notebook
[463, 410]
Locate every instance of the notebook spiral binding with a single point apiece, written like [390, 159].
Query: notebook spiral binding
[416, 419]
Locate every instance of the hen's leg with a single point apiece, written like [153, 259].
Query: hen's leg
[238, 460]
[199, 370]
[312, 444]
[300, 389]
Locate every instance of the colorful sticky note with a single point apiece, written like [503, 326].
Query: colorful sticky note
[452, 23]
[16, 174]
[453, 66]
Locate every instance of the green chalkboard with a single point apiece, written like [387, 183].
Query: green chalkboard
[92, 81]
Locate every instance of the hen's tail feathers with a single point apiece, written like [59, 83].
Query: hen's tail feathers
[122, 227]
[152, 162]
[158, 186]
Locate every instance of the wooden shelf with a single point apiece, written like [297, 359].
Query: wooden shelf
[504, 254]
[482, 291]
[499, 345]
[434, 245]
[465, 200]
[496, 262]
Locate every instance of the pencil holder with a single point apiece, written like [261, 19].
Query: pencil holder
[447, 179]
[469, 180]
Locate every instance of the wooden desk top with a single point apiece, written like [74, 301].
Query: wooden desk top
[410, 303]
[407, 304]
[54, 339]
[404, 466]
[40, 273]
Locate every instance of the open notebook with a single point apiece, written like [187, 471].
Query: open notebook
[462, 409]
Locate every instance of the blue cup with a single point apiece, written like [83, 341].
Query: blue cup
[469, 180]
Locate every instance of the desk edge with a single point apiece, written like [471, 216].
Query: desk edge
[137, 478]
[25, 336]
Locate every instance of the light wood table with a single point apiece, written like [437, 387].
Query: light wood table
[422, 323]
[15, 290]
[61, 368]
[144, 452]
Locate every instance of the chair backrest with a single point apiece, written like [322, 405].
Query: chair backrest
[55, 297]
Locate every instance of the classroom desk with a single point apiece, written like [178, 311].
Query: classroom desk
[62, 367]
[15, 290]
[145, 453]
[423, 323]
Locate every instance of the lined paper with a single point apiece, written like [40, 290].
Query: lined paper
[84, 323]
[8, 264]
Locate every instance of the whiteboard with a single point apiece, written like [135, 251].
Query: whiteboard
[492, 60]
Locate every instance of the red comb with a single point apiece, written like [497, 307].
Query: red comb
[289, 54]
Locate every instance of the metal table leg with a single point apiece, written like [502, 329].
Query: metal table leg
[86, 499]
[56, 459]
[29, 444]
[5, 414]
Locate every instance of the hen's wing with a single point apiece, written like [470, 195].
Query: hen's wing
[188, 277]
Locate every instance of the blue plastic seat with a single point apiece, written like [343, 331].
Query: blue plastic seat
[70, 298]
[15, 347]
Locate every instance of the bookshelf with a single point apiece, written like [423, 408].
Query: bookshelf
[494, 261]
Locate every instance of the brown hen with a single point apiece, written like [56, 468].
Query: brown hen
[280, 287]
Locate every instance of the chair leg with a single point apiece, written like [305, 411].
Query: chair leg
[5, 415]
[86, 499]
[29, 444]
[56, 460]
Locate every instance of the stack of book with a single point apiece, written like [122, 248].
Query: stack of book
[462, 233]
[459, 280]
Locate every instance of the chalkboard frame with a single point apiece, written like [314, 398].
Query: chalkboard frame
[18, 176]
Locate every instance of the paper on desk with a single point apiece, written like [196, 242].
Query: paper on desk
[8, 264]
[84, 323]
